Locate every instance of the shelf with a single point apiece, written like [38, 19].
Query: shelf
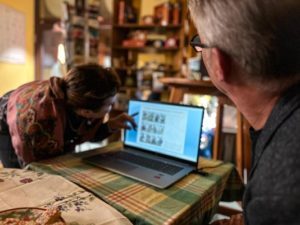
[146, 49]
[191, 86]
[105, 27]
[154, 70]
[146, 27]
[177, 81]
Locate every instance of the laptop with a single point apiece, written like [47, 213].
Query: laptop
[162, 149]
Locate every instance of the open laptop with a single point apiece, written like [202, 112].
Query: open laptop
[162, 149]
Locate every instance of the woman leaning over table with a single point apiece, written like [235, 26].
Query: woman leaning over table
[42, 119]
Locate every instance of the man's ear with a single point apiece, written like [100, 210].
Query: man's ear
[221, 64]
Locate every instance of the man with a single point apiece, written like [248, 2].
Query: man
[251, 49]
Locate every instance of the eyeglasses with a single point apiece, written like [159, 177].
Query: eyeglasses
[197, 45]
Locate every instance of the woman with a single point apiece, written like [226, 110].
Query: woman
[47, 118]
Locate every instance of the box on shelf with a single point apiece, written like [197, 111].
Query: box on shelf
[162, 13]
[133, 43]
[176, 12]
[121, 12]
[126, 12]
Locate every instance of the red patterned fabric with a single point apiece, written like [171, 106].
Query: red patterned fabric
[36, 116]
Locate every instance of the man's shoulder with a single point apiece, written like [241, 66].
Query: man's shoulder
[283, 126]
[289, 129]
[278, 155]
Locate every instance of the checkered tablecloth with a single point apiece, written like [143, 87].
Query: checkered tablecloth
[192, 200]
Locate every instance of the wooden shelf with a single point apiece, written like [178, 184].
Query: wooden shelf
[105, 27]
[191, 86]
[146, 49]
[146, 27]
[186, 82]
[167, 71]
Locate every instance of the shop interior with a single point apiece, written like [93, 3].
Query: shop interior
[145, 41]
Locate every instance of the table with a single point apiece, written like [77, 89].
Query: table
[24, 188]
[192, 200]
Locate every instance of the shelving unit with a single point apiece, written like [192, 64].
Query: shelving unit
[83, 32]
[138, 46]
[146, 49]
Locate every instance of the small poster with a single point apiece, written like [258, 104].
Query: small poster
[12, 38]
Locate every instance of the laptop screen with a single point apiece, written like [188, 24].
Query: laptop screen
[164, 128]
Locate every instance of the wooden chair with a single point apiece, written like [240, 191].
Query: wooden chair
[181, 86]
[242, 148]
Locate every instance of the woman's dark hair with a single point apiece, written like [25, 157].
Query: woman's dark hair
[88, 86]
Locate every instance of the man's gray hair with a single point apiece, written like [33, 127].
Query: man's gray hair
[262, 36]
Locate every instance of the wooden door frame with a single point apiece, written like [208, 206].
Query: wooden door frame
[37, 41]
[40, 24]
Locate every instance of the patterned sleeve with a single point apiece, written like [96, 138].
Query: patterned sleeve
[36, 124]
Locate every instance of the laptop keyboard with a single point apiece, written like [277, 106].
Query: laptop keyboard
[149, 163]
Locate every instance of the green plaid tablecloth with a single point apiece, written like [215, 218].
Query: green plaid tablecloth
[192, 200]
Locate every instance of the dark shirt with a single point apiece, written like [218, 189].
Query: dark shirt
[272, 195]
[254, 137]
[71, 135]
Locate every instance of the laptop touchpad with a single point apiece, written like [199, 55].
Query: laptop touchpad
[123, 166]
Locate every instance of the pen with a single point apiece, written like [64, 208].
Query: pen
[134, 114]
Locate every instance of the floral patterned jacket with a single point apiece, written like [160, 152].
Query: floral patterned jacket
[37, 119]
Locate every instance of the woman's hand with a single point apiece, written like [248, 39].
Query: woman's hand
[121, 122]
